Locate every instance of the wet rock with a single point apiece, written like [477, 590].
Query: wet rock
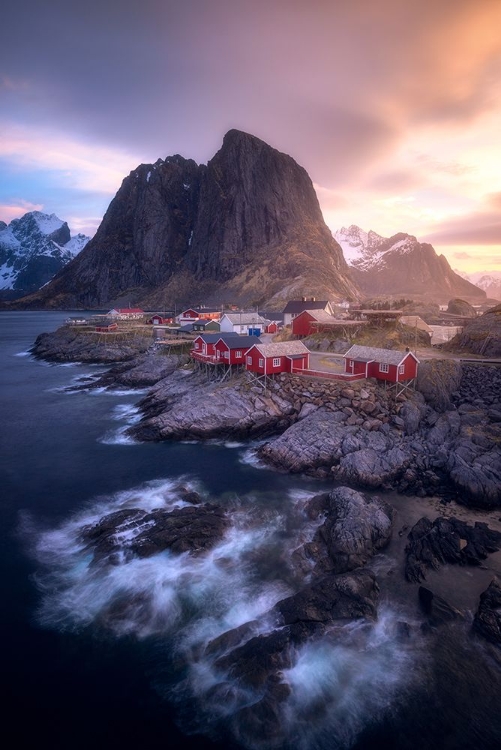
[139, 533]
[447, 540]
[437, 610]
[355, 528]
[437, 380]
[487, 620]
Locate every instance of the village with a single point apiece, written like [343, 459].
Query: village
[224, 343]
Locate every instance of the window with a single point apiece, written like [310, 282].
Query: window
[276, 361]
[401, 369]
[238, 355]
[383, 367]
[226, 355]
[261, 362]
[350, 363]
[249, 360]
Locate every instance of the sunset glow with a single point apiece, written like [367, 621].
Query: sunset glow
[393, 108]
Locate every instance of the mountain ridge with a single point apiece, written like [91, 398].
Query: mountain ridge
[401, 265]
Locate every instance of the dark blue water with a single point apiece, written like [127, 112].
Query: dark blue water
[74, 687]
[77, 675]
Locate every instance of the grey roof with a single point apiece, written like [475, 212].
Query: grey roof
[211, 338]
[275, 317]
[298, 305]
[283, 348]
[244, 319]
[240, 342]
[373, 354]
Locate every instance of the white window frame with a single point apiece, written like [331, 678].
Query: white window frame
[238, 354]
[226, 354]
[401, 369]
[277, 361]
[384, 367]
[261, 362]
[249, 360]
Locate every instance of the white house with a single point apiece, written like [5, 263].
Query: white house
[242, 322]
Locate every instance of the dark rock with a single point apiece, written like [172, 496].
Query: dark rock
[487, 620]
[143, 534]
[437, 380]
[355, 528]
[447, 540]
[438, 611]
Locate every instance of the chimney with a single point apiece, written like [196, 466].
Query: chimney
[303, 299]
[313, 299]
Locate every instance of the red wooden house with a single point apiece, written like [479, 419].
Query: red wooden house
[270, 359]
[126, 313]
[231, 349]
[384, 364]
[198, 313]
[107, 328]
[204, 345]
[310, 321]
[159, 320]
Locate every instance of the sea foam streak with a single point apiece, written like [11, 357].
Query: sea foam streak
[353, 672]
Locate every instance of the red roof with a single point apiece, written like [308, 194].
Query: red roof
[130, 310]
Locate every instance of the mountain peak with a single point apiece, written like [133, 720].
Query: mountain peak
[246, 227]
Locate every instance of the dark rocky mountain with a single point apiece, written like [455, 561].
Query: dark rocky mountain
[481, 336]
[32, 250]
[402, 266]
[245, 228]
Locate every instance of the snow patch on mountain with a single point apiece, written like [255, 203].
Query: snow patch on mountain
[33, 249]
[489, 281]
[366, 250]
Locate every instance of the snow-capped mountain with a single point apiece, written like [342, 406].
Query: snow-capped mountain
[400, 265]
[32, 250]
[489, 281]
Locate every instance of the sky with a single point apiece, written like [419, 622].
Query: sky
[392, 106]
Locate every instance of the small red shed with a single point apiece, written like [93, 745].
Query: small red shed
[107, 328]
[384, 364]
[271, 327]
[270, 359]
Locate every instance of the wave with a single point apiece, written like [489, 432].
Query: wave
[335, 684]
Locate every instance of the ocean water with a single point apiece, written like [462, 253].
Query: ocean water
[114, 656]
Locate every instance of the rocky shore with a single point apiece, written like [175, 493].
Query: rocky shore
[444, 438]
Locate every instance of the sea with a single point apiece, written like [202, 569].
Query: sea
[115, 656]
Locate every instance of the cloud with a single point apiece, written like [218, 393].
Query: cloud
[80, 166]
[17, 209]
[480, 228]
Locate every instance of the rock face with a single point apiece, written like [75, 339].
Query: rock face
[438, 380]
[481, 336]
[246, 227]
[400, 265]
[73, 345]
[32, 250]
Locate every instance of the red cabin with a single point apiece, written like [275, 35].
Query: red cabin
[310, 321]
[231, 349]
[159, 320]
[271, 328]
[270, 359]
[107, 329]
[384, 364]
[204, 345]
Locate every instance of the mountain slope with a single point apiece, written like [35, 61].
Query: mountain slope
[400, 265]
[33, 249]
[247, 227]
